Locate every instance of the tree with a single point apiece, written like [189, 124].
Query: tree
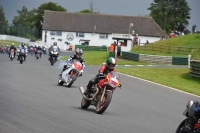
[91, 10]
[39, 13]
[25, 18]
[170, 14]
[3, 22]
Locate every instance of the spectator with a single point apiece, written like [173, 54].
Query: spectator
[147, 42]
[172, 35]
[112, 48]
[193, 28]
[122, 43]
[135, 39]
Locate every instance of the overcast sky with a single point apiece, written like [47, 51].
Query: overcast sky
[113, 7]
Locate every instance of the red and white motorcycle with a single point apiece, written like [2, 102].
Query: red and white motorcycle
[73, 71]
[12, 52]
[101, 93]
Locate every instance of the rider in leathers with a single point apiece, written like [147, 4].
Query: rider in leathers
[25, 49]
[51, 49]
[78, 57]
[14, 48]
[103, 70]
[38, 48]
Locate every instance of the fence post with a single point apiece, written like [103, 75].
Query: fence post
[189, 58]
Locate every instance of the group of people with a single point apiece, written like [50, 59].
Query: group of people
[103, 70]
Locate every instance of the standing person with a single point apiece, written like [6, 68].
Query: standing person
[103, 70]
[77, 56]
[14, 48]
[136, 39]
[112, 48]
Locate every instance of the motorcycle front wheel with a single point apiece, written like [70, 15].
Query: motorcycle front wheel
[21, 59]
[85, 103]
[71, 80]
[102, 106]
[181, 125]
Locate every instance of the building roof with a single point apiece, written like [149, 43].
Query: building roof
[100, 23]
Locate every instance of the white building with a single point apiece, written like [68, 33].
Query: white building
[97, 29]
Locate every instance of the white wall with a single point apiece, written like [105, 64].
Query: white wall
[14, 38]
[94, 39]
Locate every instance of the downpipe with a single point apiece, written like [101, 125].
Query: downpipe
[90, 99]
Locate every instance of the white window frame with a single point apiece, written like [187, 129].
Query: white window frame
[56, 33]
[103, 36]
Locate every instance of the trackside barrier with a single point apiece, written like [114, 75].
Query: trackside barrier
[195, 69]
[91, 48]
[169, 60]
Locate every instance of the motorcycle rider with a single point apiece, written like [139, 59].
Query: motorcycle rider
[24, 48]
[77, 56]
[38, 48]
[103, 70]
[14, 48]
[54, 46]
[193, 118]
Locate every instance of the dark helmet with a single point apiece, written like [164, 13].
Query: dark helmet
[22, 44]
[39, 47]
[79, 52]
[111, 62]
[55, 43]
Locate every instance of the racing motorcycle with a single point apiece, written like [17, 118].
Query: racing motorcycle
[53, 55]
[39, 52]
[12, 54]
[189, 111]
[101, 93]
[21, 55]
[72, 72]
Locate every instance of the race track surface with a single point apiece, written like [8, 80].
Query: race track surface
[32, 102]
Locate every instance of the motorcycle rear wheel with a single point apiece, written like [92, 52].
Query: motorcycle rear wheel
[178, 130]
[102, 106]
[85, 103]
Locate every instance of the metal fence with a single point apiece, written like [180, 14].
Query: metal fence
[20, 31]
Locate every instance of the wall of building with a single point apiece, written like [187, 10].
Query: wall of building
[93, 37]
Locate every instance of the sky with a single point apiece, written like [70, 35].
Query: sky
[112, 7]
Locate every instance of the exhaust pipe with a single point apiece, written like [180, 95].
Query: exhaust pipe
[82, 91]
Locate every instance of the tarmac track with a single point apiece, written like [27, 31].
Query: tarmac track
[32, 102]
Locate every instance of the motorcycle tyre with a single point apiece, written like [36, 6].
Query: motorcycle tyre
[104, 107]
[181, 125]
[72, 81]
[85, 103]
[21, 59]
[60, 82]
[51, 61]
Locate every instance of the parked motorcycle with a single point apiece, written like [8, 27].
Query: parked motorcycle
[101, 93]
[72, 72]
[39, 52]
[12, 52]
[21, 55]
[53, 56]
[189, 111]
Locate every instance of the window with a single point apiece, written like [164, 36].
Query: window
[103, 36]
[56, 33]
[79, 34]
